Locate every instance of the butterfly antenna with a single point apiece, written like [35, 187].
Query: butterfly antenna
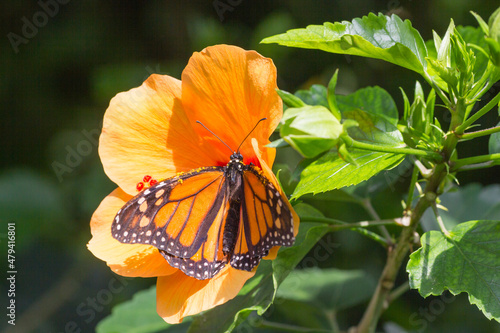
[238, 150]
[199, 122]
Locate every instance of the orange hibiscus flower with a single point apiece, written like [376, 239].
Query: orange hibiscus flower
[152, 130]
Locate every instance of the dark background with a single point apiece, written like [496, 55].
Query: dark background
[56, 84]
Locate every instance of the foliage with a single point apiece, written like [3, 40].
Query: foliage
[344, 141]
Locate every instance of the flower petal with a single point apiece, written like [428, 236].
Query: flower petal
[179, 295]
[124, 259]
[229, 90]
[146, 132]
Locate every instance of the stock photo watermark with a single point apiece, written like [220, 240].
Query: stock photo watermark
[88, 309]
[11, 273]
[75, 154]
[30, 26]
[223, 6]
[321, 252]
[425, 315]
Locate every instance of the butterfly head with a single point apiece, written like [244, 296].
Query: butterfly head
[236, 157]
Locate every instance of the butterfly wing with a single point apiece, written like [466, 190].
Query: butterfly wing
[265, 222]
[183, 217]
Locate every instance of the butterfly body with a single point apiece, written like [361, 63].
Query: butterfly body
[204, 219]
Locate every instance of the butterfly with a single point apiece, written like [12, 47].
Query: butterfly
[207, 218]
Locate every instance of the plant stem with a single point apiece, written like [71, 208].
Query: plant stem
[363, 224]
[478, 166]
[398, 292]
[388, 149]
[398, 252]
[440, 220]
[414, 179]
[473, 135]
[485, 109]
[492, 158]
[367, 205]
[358, 226]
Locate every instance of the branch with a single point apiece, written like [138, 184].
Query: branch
[485, 109]
[486, 160]
[388, 149]
[476, 134]
[357, 226]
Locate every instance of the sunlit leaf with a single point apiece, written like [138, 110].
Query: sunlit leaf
[466, 260]
[290, 100]
[310, 130]
[372, 36]
[373, 100]
[316, 95]
[373, 128]
[331, 172]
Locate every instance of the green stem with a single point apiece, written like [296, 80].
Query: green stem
[438, 91]
[388, 149]
[398, 252]
[363, 224]
[476, 134]
[358, 226]
[398, 291]
[332, 319]
[440, 220]
[413, 182]
[321, 220]
[478, 166]
[485, 109]
[493, 159]
[367, 205]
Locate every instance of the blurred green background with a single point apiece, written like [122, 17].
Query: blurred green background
[56, 82]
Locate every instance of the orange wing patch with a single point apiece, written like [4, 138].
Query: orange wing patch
[179, 223]
[265, 221]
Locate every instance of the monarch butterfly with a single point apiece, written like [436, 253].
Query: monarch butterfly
[204, 219]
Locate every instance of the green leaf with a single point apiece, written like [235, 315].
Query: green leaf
[138, 316]
[373, 128]
[316, 95]
[259, 292]
[290, 100]
[372, 36]
[374, 100]
[475, 37]
[482, 24]
[331, 289]
[494, 25]
[310, 130]
[332, 100]
[330, 172]
[467, 260]
[472, 201]
[494, 142]
[280, 143]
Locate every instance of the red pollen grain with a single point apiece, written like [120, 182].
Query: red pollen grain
[152, 182]
[146, 179]
[140, 186]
